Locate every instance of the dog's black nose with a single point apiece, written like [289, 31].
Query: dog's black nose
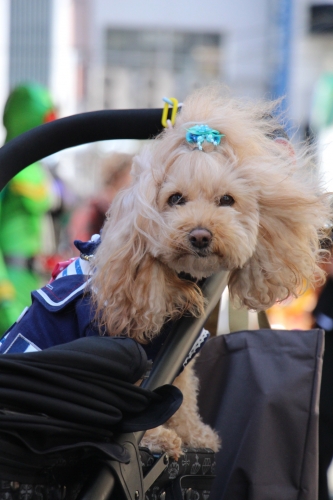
[200, 238]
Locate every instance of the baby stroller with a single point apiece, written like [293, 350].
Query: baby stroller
[116, 479]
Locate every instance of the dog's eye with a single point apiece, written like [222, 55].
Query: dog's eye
[226, 201]
[176, 199]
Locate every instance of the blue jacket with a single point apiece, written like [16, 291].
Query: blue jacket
[62, 312]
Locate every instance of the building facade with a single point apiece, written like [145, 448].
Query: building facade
[37, 44]
[96, 54]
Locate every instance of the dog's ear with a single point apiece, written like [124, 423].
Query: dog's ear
[132, 291]
[122, 255]
[287, 255]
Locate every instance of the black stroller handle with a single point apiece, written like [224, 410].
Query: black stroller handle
[75, 130]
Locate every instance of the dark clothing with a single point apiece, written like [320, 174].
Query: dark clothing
[64, 404]
[263, 391]
[61, 312]
[323, 314]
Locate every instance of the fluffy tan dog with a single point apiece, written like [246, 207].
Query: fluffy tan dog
[249, 205]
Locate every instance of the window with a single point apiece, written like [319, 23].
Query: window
[143, 66]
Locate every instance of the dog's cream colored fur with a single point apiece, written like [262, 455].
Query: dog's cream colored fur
[268, 239]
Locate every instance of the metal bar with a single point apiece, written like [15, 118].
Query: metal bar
[155, 471]
[263, 320]
[101, 488]
[179, 342]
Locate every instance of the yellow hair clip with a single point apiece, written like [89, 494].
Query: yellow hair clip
[174, 103]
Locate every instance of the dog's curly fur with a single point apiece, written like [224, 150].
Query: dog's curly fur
[268, 238]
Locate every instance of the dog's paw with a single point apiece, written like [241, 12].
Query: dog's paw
[204, 437]
[161, 439]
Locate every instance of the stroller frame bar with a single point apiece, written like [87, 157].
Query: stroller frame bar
[166, 367]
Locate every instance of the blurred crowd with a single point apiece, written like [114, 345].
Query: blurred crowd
[88, 217]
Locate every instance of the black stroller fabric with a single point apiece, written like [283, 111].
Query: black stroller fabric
[260, 390]
[72, 399]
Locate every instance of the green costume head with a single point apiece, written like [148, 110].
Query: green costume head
[27, 106]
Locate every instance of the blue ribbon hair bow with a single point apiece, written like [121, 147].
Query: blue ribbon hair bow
[201, 133]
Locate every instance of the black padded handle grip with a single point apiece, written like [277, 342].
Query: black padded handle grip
[83, 128]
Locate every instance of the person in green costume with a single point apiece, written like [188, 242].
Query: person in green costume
[23, 204]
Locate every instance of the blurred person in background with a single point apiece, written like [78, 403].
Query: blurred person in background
[55, 244]
[89, 217]
[23, 203]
